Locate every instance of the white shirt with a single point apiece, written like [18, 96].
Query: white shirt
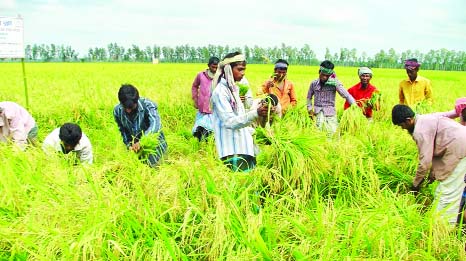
[83, 149]
[232, 134]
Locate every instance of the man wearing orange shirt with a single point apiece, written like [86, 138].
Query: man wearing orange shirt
[279, 85]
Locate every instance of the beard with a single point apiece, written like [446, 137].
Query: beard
[364, 85]
[411, 130]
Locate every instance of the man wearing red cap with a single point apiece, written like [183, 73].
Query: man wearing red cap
[416, 89]
[459, 111]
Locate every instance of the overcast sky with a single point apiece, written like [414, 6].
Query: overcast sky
[368, 26]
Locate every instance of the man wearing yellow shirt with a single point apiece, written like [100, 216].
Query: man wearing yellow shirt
[415, 89]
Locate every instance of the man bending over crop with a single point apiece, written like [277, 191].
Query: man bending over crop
[459, 111]
[442, 151]
[69, 138]
[137, 118]
[233, 136]
[17, 125]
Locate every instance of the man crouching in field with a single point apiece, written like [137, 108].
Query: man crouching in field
[441, 144]
[17, 125]
[69, 138]
[137, 117]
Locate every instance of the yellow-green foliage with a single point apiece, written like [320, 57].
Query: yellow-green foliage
[310, 197]
[243, 89]
[148, 143]
[353, 120]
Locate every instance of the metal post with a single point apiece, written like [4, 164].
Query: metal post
[25, 84]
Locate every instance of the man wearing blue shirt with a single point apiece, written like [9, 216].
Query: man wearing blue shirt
[136, 117]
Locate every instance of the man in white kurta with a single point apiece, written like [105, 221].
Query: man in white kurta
[69, 138]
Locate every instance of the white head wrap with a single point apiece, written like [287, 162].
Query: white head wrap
[225, 67]
[280, 65]
[364, 70]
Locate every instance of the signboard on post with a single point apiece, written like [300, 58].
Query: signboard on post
[11, 37]
[12, 44]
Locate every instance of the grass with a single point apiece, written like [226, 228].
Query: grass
[310, 198]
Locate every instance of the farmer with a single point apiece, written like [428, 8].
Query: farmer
[280, 86]
[440, 142]
[323, 91]
[233, 136]
[201, 91]
[17, 125]
[137, 116]
[416, 89]
[69, 138]
[363, 92]
[459, 111]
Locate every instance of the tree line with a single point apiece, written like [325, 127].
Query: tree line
[441, 59]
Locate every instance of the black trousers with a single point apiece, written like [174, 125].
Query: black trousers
[240, 162]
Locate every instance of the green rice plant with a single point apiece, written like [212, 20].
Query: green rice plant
[149, 143]
[353, 120]
[374, 100]
[309, 198]
[297, 155]
[243, 88]
[422, 107]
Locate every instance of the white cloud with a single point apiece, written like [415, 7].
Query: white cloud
[6, 6]
[366, 25]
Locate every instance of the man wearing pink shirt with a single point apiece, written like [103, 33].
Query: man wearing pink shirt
[442, 152]
[201, 91]
[16, 124]
[459, 111]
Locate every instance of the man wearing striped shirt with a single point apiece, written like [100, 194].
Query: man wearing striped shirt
[231, 122]
[136, 117]
[323, 91]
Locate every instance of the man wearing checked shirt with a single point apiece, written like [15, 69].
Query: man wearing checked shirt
[323, 91]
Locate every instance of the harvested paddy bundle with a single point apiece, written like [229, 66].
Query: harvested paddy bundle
[374, 101]
[353, 120]
[149, 144]
[299, 156]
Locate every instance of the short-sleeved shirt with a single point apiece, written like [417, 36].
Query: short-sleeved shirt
[83, 149]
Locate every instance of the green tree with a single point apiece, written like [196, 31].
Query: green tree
[328, 55]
